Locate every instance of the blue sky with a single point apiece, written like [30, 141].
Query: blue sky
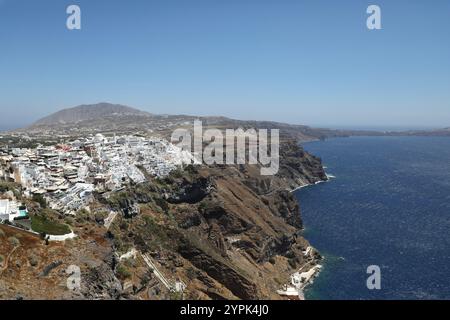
[308, 62]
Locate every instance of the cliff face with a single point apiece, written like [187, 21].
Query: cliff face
[224, 231]
[235, 232]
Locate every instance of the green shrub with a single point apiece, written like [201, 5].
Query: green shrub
[175, 295]
[44, 225]
[160, 202]
[14, 241]
[10, 186]
[82, 216]
[69, 220]
[33, 259]
[191, 273]
[40, 199]
[123, 272]
[7, 186]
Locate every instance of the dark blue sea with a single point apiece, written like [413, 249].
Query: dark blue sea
[389, 205]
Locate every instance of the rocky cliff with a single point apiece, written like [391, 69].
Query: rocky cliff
[226, 232]
[231, 232]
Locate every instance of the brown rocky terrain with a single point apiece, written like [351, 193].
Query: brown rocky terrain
[234, 233]
[32, 269]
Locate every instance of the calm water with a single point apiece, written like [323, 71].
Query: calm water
[389, 205]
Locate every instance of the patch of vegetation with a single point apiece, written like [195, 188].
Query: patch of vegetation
[292, 263]
[40, 199]
[7, 186]
[130, 263]
[42, 224]
[207, 204]
[175, 295]
[191, 169]
[153, 235]
[177, 173]
[124, 225]
[116, 198]
[154, 228]
[2, 258]
[100, 216]
[123, 272]
[69, 220]
[10, 186]
[120, 244]
[145, 280]
[191, 273]
[154, 207]
[14, 241]
[160, 202]
[33, 259]
[82, 216]
[2, 233]
[25, 142]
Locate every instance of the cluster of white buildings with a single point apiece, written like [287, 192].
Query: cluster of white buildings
[67, 174]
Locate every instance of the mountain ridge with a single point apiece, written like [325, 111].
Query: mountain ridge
[88, 112]
[116, 118]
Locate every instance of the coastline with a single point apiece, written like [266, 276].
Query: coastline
[329, 177]
[300, 280]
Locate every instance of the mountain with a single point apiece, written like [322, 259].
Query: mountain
[89, 112]
[110, 118]
[118, 119]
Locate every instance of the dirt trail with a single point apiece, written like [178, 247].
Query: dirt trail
[7, 259]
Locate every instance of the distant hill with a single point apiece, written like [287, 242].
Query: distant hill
[110, 118]
[89, 112]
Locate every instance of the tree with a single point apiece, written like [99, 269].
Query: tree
[40, 199]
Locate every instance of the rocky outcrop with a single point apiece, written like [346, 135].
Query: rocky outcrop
[190, 191]
[129, 208]
[219, 269]
[100, 282]
[247, 224]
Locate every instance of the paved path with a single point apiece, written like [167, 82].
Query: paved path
[110, 219]
[158, 274]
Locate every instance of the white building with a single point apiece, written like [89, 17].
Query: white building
[9, 210]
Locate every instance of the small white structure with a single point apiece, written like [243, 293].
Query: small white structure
[129, 255]
[290, 292]
[4, 209]
[64, 237]
[9, 210]
[299, 280]
[179, 286]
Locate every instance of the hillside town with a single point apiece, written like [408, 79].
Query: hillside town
[67, 174]
[140, 223]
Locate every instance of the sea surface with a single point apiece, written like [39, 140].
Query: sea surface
[389, 205]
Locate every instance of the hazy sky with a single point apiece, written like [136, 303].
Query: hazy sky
[310, 62]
